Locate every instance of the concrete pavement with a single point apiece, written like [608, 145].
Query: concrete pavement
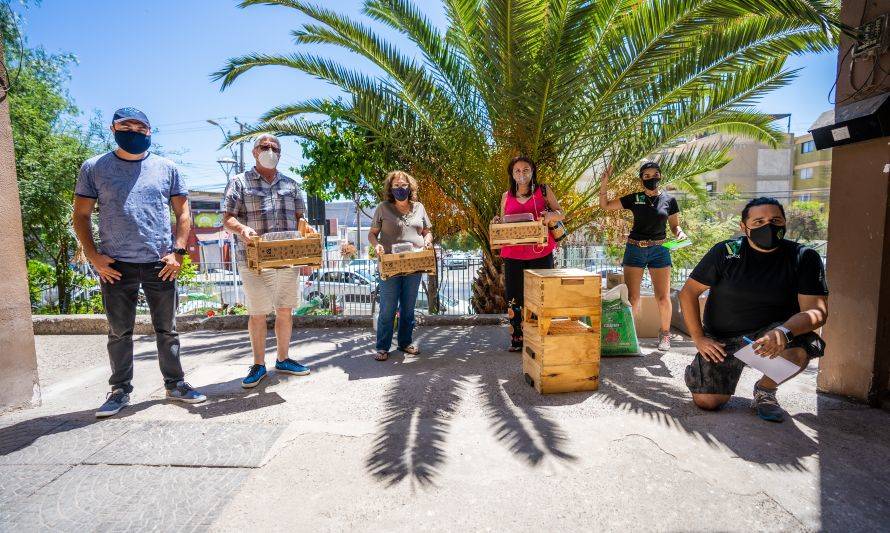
[450, 440]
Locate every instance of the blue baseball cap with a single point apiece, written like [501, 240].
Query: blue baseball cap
[130, 113]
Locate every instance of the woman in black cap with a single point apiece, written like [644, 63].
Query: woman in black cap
[652, 209]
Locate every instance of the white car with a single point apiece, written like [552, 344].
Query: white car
[345, 285]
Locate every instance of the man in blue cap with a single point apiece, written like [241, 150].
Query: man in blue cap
[134, 190]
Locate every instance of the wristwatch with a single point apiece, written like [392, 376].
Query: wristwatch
[787, 332]
[180, 251]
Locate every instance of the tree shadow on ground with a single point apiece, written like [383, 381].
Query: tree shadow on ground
[222, 400]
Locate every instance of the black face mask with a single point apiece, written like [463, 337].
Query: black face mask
[767, 237]
[651, 184]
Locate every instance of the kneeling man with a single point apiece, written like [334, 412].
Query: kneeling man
[763, 288]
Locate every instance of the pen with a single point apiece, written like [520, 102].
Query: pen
[746, 339]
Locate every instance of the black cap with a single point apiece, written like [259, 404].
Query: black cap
[648, 165]
[130, 113]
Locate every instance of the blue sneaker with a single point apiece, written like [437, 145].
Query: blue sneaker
[116, 400]
[254, 376]
[289, 366]
[185, 393]
[766, 406]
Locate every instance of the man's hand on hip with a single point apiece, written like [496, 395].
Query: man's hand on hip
[106, 273]
[171, 269]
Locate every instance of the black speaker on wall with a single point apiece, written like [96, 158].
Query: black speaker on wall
[856, 122]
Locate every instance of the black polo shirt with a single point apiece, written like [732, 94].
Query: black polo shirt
[751, 289]
[650, 214]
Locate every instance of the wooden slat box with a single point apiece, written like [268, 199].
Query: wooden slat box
[561, 378]
[562, 292]
[262, 254]
[510, 234]
[408, 263]
[568, 342]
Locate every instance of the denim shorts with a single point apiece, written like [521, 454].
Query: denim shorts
[651, 256]
[707, 377]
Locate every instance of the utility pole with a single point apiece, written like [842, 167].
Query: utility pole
[241, 144]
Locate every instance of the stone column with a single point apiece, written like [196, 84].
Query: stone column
[857, 361]
[18, 359]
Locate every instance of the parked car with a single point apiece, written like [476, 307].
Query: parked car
[218, 276]
[456, 262]
[448, 305]
[366, 267]
[342, 284]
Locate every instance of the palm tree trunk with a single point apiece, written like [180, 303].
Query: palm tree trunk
[488, 287]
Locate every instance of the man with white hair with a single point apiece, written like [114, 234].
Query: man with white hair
[259, 201]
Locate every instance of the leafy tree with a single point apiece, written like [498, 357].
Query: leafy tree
[49, 149]
[575, 84]
[706, 223]
[807, 221]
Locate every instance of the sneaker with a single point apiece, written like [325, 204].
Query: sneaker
[515, 344]
[254, 376]
[185, 393]
[289, 366]
[664, 341]
[766, 405]
[114, 402]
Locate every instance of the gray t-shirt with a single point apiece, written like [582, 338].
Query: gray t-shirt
[134, 204]
[397, 228]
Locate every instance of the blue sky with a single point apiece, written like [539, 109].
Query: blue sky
[158, 56]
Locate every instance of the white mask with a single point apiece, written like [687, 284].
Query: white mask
[267, 159]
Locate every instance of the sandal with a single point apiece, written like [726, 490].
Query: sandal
[515, 344]
[410, 349]
[381, 356]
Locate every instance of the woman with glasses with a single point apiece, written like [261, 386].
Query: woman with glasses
[525, 196]
[398, 220]
[652, 211]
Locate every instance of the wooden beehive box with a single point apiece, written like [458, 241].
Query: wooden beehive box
[561, 292]
[568, 342]
[561, 378]
[510, 234]
[262, 254]
[565, 359]
[407, 263]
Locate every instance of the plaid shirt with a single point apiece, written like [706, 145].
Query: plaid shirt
[264, 206]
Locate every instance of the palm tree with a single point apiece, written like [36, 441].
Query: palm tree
[572, 83]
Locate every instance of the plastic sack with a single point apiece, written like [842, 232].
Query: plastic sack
[619, 334]
[402, 247]
[518, 217]
[281, 235]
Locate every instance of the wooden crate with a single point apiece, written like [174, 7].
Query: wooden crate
[262, 254]
[569, 288]
[561, 378]
[407, 263]
[510, 234]
[568, 342]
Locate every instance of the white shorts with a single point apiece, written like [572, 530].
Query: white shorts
[275, 288]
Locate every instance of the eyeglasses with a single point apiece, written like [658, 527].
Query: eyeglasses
[403, 187]
[271, 147]
[526, 172]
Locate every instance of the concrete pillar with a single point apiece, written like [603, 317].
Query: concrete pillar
[18, 359]
[857, 362]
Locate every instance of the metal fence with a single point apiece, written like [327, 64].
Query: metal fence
[349, 287]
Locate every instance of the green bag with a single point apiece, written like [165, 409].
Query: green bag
[618, 332]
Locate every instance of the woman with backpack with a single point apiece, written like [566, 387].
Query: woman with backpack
[525, 195]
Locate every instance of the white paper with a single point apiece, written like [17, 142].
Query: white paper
[778, 369]
[840, 134]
